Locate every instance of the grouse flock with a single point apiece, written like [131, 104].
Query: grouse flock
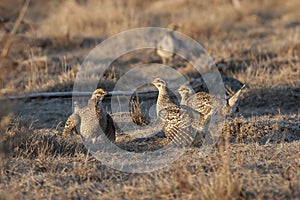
[180, 123]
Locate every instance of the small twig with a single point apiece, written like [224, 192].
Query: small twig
[15, 28]
[236, 4]
[50, 95]
[150, 94]
[34, 59]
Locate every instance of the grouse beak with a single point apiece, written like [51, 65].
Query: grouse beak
[245, 86]
[180, 89]
[152, 83]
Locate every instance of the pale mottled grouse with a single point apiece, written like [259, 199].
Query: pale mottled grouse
[201, 102]
[92, 119]
[166, 46]
[176, 121]
[204, 102]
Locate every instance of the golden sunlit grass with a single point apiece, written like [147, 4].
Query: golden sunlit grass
[41, 161]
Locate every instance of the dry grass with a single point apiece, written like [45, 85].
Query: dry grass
[259, 42]
[44, 163]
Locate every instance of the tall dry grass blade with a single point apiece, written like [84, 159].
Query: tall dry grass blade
[15, 28]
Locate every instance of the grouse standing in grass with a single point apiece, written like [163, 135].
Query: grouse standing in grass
[91, 120]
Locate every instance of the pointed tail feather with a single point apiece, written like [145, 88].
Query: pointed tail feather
[234, 98]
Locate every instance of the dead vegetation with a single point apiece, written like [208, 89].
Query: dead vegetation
[43, 162]
[255, 42]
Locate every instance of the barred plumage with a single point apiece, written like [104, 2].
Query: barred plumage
[176, 121]
[201, 102]
[204, 102]
[70, 125]
[72, 121]
[92, 119]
